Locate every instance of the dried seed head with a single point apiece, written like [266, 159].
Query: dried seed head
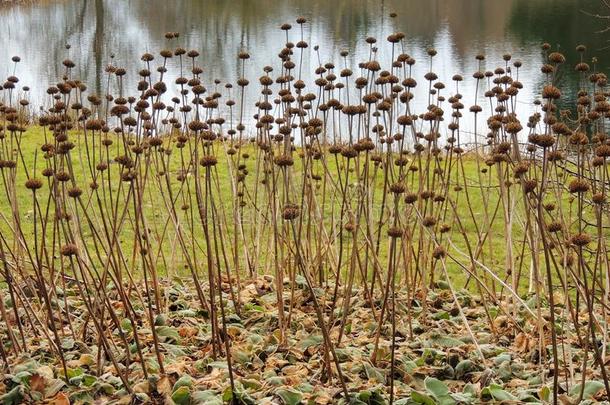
[290, 212]
[554, 226]
[62, 176]
[546, 141]
[520, 169]
[581, 239]
[283, 160]
[529, 186]
[582, 67]
[603, 151]
[349, 152]
[557, 58]
[397, 188]
[208, 161]
[513, 127]
[74, 192]
[551, 92]
[395, 232]
[579, 186]
[69, 250]
[439, 252]
[429, 221]
[598, 198]
[33, 184]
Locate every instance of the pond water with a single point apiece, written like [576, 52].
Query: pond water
[38, 32]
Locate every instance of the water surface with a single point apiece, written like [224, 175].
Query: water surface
[458, 29]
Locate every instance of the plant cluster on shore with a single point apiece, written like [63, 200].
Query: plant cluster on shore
[337, 188]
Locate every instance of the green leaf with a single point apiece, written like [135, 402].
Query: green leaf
[186, 313]
[67, 344]
[182, 396]
[22, 377]
[421, 398]
[184, 381]
[126, 325]
[591, 389]
[160, 320]
[104, 388]
[227, 395]
[289, 396]
[439, 391]
[463, 367]
[545, 393]
[300, 281]
[311, 340]
[168, 332]
[237, 397]
[219, 364]
[409, 366]
[13, 397]
[141, 398]
[499, 394]
[441, 315]
[462, 398]
[371, 398]
[436, 387]
[250, 383]
[206, 397]
[89, 380]
[446, 341]
[373, 373]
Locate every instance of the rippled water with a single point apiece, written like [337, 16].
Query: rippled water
[458, 29]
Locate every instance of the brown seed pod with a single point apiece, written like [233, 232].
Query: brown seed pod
[349, 152]
[429, 221]
[513, 127]
[283, 160]
[603, 150]
[529, 186]
[555, 155]
[395, 232]
[546, 141]
[557, 58]
[551, 92]
[439, 252]
[62, 176]
[208, 161]
[580, 239]
[554, 226]
[549, 207]
[520, 169]
[290, 212]
[598, 198]
[411, 198]
[33, 184]
[74, 192]
[397, 188]
[69, 250]
[579, 186]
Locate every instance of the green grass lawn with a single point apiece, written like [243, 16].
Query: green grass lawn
[473, 208]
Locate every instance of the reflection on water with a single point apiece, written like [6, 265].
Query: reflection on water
[458, 29]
